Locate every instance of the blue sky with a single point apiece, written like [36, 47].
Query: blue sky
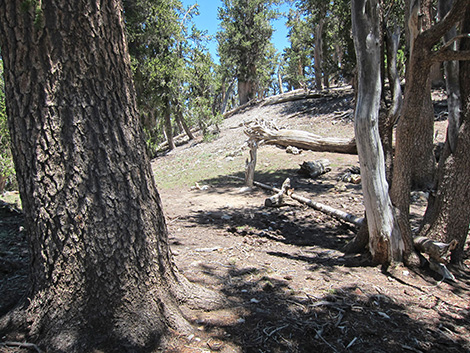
[207, 20]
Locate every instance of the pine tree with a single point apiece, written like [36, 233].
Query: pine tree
[244, 41]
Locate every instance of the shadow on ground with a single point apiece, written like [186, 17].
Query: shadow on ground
[275, 318]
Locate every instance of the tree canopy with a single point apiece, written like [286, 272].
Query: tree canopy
[244, 43]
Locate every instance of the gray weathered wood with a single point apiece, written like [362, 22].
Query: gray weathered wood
[300, 139]
[385, 242]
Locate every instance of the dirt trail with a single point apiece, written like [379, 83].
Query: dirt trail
[291, 287]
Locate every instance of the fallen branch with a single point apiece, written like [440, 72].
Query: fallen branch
[315, 205]
[20, 345]
[278, 199]
[300, 139]
[438, 254]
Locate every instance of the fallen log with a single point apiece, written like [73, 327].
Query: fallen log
[315, 169]
[300, 139]
[436, 250]
[438, 254]
[315, 205]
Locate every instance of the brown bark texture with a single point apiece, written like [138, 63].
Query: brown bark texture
[168, 127]
[102, 273]
[318, 54]
[414, 129]
[448, 215]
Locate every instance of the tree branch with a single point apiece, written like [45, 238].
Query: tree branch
[450, 55]
[450, 42]
[436, 32]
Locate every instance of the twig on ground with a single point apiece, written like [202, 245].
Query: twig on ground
[20, 345]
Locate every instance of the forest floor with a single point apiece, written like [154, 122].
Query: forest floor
[290, 286]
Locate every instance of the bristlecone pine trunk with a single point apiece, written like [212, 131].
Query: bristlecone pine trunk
[385, 243]
[448, 214]
[411, 125]
[102, 274]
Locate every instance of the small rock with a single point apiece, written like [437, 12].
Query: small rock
[293, 150]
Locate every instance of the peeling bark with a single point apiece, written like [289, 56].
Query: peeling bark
[384, 236]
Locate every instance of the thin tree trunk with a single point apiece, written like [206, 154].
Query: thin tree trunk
[392, 40]
[180, 120]
[279, 80]
[451, 69]
[168, 127]
[384, 237]
[101, 269]
[228, 94]
[318, 54]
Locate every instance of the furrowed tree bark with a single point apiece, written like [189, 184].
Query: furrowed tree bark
[246, 90]
[410, 125]
[101, 268]
[385, 242]
[447, 217]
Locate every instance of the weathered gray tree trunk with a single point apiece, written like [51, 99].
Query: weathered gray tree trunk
[385, 242]
[227, 94]
[101, 269]
[250, 164]
[392, 39]
[279, 80]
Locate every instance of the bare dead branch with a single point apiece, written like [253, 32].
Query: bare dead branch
[315, 205]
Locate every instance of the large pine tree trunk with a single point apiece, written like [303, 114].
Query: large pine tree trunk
[412, 127]
[102, 273]
[384, 237]
[245, 91]
[448, 214]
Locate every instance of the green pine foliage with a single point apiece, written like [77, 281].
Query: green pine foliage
[244, 43]
[173, 71]
[338, 48]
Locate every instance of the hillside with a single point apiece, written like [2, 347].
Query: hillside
[290, 285]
